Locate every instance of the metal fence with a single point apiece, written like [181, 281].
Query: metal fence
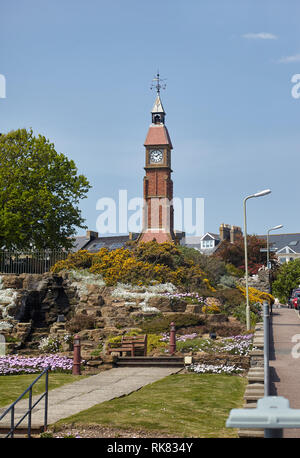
[29, 262]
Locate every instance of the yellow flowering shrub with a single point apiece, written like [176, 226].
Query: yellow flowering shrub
[151, 263]
[82, 259]
[256, 295]
[212, 308]
[120, 265]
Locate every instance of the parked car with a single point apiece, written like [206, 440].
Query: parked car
[294, 301]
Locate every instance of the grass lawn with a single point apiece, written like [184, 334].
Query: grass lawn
[188, 405]
[12, 386]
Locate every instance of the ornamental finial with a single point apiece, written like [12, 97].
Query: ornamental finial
[158, 83]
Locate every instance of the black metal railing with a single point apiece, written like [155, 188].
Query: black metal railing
[11, 408]
[29, 262]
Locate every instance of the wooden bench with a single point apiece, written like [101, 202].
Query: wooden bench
[135, 345]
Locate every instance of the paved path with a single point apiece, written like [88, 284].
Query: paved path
[75, 397]
[284, 367]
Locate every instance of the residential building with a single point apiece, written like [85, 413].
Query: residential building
[210, 242]
[285, 246]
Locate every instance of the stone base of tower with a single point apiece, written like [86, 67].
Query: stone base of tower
[159, 236]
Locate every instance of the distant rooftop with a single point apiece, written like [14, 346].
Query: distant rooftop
[280, 241]
[93, 243]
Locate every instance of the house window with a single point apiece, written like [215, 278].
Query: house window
[207, 244]
[293, 243]
[282, 260]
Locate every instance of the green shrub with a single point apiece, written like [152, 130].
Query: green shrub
[166, 254]
[234, 271]
[98, 350]
[114, 341]
[154, 342]
[46, 435]
[240, 314]
[161, 323]
[228, 281]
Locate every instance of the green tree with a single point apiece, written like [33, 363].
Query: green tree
[287, 278]
[39, 194]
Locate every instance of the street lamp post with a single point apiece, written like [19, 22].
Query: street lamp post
[268, 245]
[258, 194]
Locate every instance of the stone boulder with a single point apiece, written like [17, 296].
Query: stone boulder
[210, 301]
[216, 318]
[11, 281]
[166, 304]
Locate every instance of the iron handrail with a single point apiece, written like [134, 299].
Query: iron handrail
[11, 408]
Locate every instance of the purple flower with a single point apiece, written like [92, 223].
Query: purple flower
[15, 364]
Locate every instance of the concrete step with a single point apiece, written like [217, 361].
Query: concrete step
[251, 433]
[255, 378]
[250, 405]
[257, 353]
[152, 358]
[20, 432]
[258, 343]
[249, 397]
[254, 391]
[255, 387]
[256, 370]
[148, 364]
[144, 361]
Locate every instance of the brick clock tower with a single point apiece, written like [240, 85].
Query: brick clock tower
[158, 220]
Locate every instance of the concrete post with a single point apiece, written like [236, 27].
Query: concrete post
[76, 370]
[172, 338]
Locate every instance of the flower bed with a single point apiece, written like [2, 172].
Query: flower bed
[15, 365]
[214, 369]
[234, 345]
[208, 305]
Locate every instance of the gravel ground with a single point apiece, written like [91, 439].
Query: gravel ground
[106, 432]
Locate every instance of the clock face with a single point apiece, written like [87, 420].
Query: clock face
[156, 156]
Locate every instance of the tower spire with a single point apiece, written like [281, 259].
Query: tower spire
[158, 112]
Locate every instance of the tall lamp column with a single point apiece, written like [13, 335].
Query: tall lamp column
[258, 194]
[268, 244]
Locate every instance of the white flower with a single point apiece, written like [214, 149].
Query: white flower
[132, 293]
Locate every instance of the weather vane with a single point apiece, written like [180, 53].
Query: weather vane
[158, 83]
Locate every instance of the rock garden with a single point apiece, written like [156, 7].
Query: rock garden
[129, 291]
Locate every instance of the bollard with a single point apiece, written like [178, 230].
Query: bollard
[266, 347]
[76, 370]
[172, 348]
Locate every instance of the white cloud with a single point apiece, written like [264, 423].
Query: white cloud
[260, 36]
[289, 59]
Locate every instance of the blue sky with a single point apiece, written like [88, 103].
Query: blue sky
[80, 74]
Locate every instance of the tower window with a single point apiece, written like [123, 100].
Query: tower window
[157, 119]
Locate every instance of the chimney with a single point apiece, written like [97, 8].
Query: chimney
[91, 235]
[234, 231]
[225, 232]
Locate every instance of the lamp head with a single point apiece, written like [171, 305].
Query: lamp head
[277, 227]
[262, 193]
